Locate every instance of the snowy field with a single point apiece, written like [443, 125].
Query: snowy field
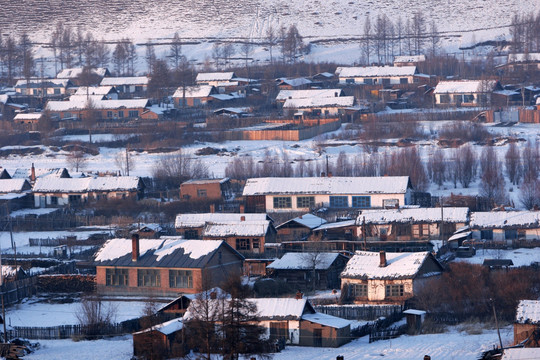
[520, 257]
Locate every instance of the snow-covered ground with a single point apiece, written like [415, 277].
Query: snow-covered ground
[520, 257]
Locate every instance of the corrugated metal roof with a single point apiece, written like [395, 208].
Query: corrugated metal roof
[377, 71]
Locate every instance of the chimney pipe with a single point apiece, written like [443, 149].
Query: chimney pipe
[329, 174]
[212, 208]
[32, 173]
[242, 208]
[242, 218]
[382, 257]
[134, 247]
[299, 295]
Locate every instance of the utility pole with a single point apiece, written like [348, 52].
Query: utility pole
[127, 162]
[2, 288]
[442, 220]
[496, 322]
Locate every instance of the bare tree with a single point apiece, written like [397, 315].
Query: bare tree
[94, 315]
[531, 162]
[125, 162]
[172, 170]
[513, 163]
[437, 167]
[271, 41]
[241, 168]
[343, 165]
[26, 55]
[150, 57]
[466, 164]
[76, 158]
[418, 31]
[492, 178]
[530, 194]
[407, 162]
[366, 41]
[102, 54]
[293, 44]
[175, 51]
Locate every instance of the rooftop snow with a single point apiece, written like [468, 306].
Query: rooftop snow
[409, 58]
[93, 90]
[304, 261]
[464, 86]
[194, 91]
[194, 248]
[296, 82]
[308, 220]
[528, 312]
[116, 248]
[365, 265]
[327, 185]
[32, 116]
[42, 82]
[79, 185]
[166, 328]
[377, 71]
[335, 225]
[431, 215]
[129, 80]
[214, 76]
[200, 220]
[501, 219]
[280, 308]
[81, 103]
[524, 57]
[76, 72]
[237, 228]
[12, 185]
[327, 320]
[310, 93]
[340, 101]
[206, 181]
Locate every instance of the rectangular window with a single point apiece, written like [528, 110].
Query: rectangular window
[201, 192]
[339, 201]
[56, 91]
[54, 200]
[486, 234]
[181, 279]
[403, 80]
[358, 290]
[196, 102]
[255, 244]
[282, 202]
[242, 244]
[148, 278]
[361, 201]
[444, 99]
[468, 99]
[138, 88]
[368, 81]
[191, 234]
[121, 114]
[116, 277]
[385, 81]
[305, 202]
[349, 81]
[394, 290]
[133, 113]
[109, 114]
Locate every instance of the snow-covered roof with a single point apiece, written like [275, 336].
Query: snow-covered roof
[503, 219]
[327, 320]
[197, 91]
[206, 181]
[76, 72]
[24, 173]
[9, 270]
[13, 185]
[214, 76]
[521, 57]
[528, 353]
[308, 220]
[365, 265]
[335, 225]
[295, 82]
[304, 261]
[309, 93]
[377, 71]
[464, 86]
[528, 312]
[340, 101]
[227, 97]
[233, 110]
[81, 185]
[166, 328]
[81, 103]
[94, 90]
[200, 220]
[423, 215]
[127, 80]
[409, 58]
[36, 83]
[282, 308]
[237, 228]
[23, 116]
[327, 185]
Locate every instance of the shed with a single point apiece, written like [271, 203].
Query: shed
[415, 318]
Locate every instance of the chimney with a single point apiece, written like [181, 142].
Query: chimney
[323, 174]
[242, 218]
[32, 173]
[212, 208]
[382, 256]
[299, 295]
[134, 247]
[242, 208]
[329, 174]
[213, 295]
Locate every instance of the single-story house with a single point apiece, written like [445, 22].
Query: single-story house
[128, 85]
[74, 73]
[521, 62]
[43, 87]
[303, 194]
[215, 78]
[387, 278]
[198, 95]
[178, 306]
[51, 191]
[163, 267]
[80, 107]
[292, 84]
[345, 229]
[319, 106]
[298, 228]
[163, 340]
[206, 189]
[505, 225]
[465, 92]
[309, 270]
[370, 75]
[285, 95]
[411, 223]
[108, 92]
[29, 120]
[527, 323]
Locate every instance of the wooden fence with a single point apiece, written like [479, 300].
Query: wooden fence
[360, 312]
[386, 334]
[15, 291]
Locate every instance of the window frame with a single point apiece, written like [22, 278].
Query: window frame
[148, 278]
[302, 200]
[116, 277]
[394, 290]
[361, 199]
[243, 244]
[180, 279]
[339, 201]
[282, 202]
[358, 290]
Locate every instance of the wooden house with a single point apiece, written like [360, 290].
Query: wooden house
[256, 267]
[15, 194]
[106, 92]
[527, 323]
[194, 96]
[128, 86]
[505, 226]
[304, 194]
[215, 78]
[81, 107]
[319, 106]
[521, 62]
[293, 84]
[309, 270]
[345, 229]
[465, 92]
[178, 306]
[243, 232]
[387, 278]
[43, 87]
[163, 340]
[74, 74]
[163, 267]
[411, 223]
[52, 192]
[206, 189]
[298, 228]
[374, 75]
[285, 95]
[29, 121]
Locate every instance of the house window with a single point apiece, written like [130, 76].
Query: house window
[256, 244]
[305, 202]
[368, 81]
[35, 92]
[282, 202]
[121, 114]
[444, 99]
[148, 278]
[138, 88]
[191, 234]
[56, 91]
[116, 277]
[486, 234]
[403, 80]
[339, 201]
[181, 279]
[109, 114]
[358, 290]
[74, 199]
[349, 81]
[133, 113]
[468, 98]
[385, 81]
[394, 290]
[196, 102]
[361, 201]
[510, 234]
[242, 244]
[201, 192]
[54, 200]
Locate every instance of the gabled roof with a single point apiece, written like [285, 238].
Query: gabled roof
[528, 312]
[81, 103]
[307, 220]
[171, 253]
[309, 93]
[305, 261]
[505, 219]
[282, 308]
[215, 76]
[39, 83]
[365, 265]
[236, 228]
[335, 225]
[294, 82]
[26, 116]
[205, 181]
[95, 90]
[14, 186]
[327, 320]
[200, 220]
[197, 91]
[166, 328]
[516, 58]
[316, 102]
[126, 80]
[376, 71]
[81, 185]
[76, 72]
[465, 86]
[25, 173]
[328, 185]
[423, 215]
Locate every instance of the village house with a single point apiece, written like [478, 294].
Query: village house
[43, 87]
[323, 80]
[104, 110]
[527, 323]
[370, 75]
[309, 270]
[465, 92]
[506, 226]
[318, 106]
[163, 267]
[128, 86]
[74, 74]
[34, 173]
[217, 79]
[15, 194]
[8, 107]
[285, 95]
[293, 84]
[411, 223]
[387, 278]
[164, 339]
[29, 121]
[521, 62]
[343, 229]
[304, 194]
[105, 92]
[206, 189]
[298, 228]
[199, 95]
[53, 192]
